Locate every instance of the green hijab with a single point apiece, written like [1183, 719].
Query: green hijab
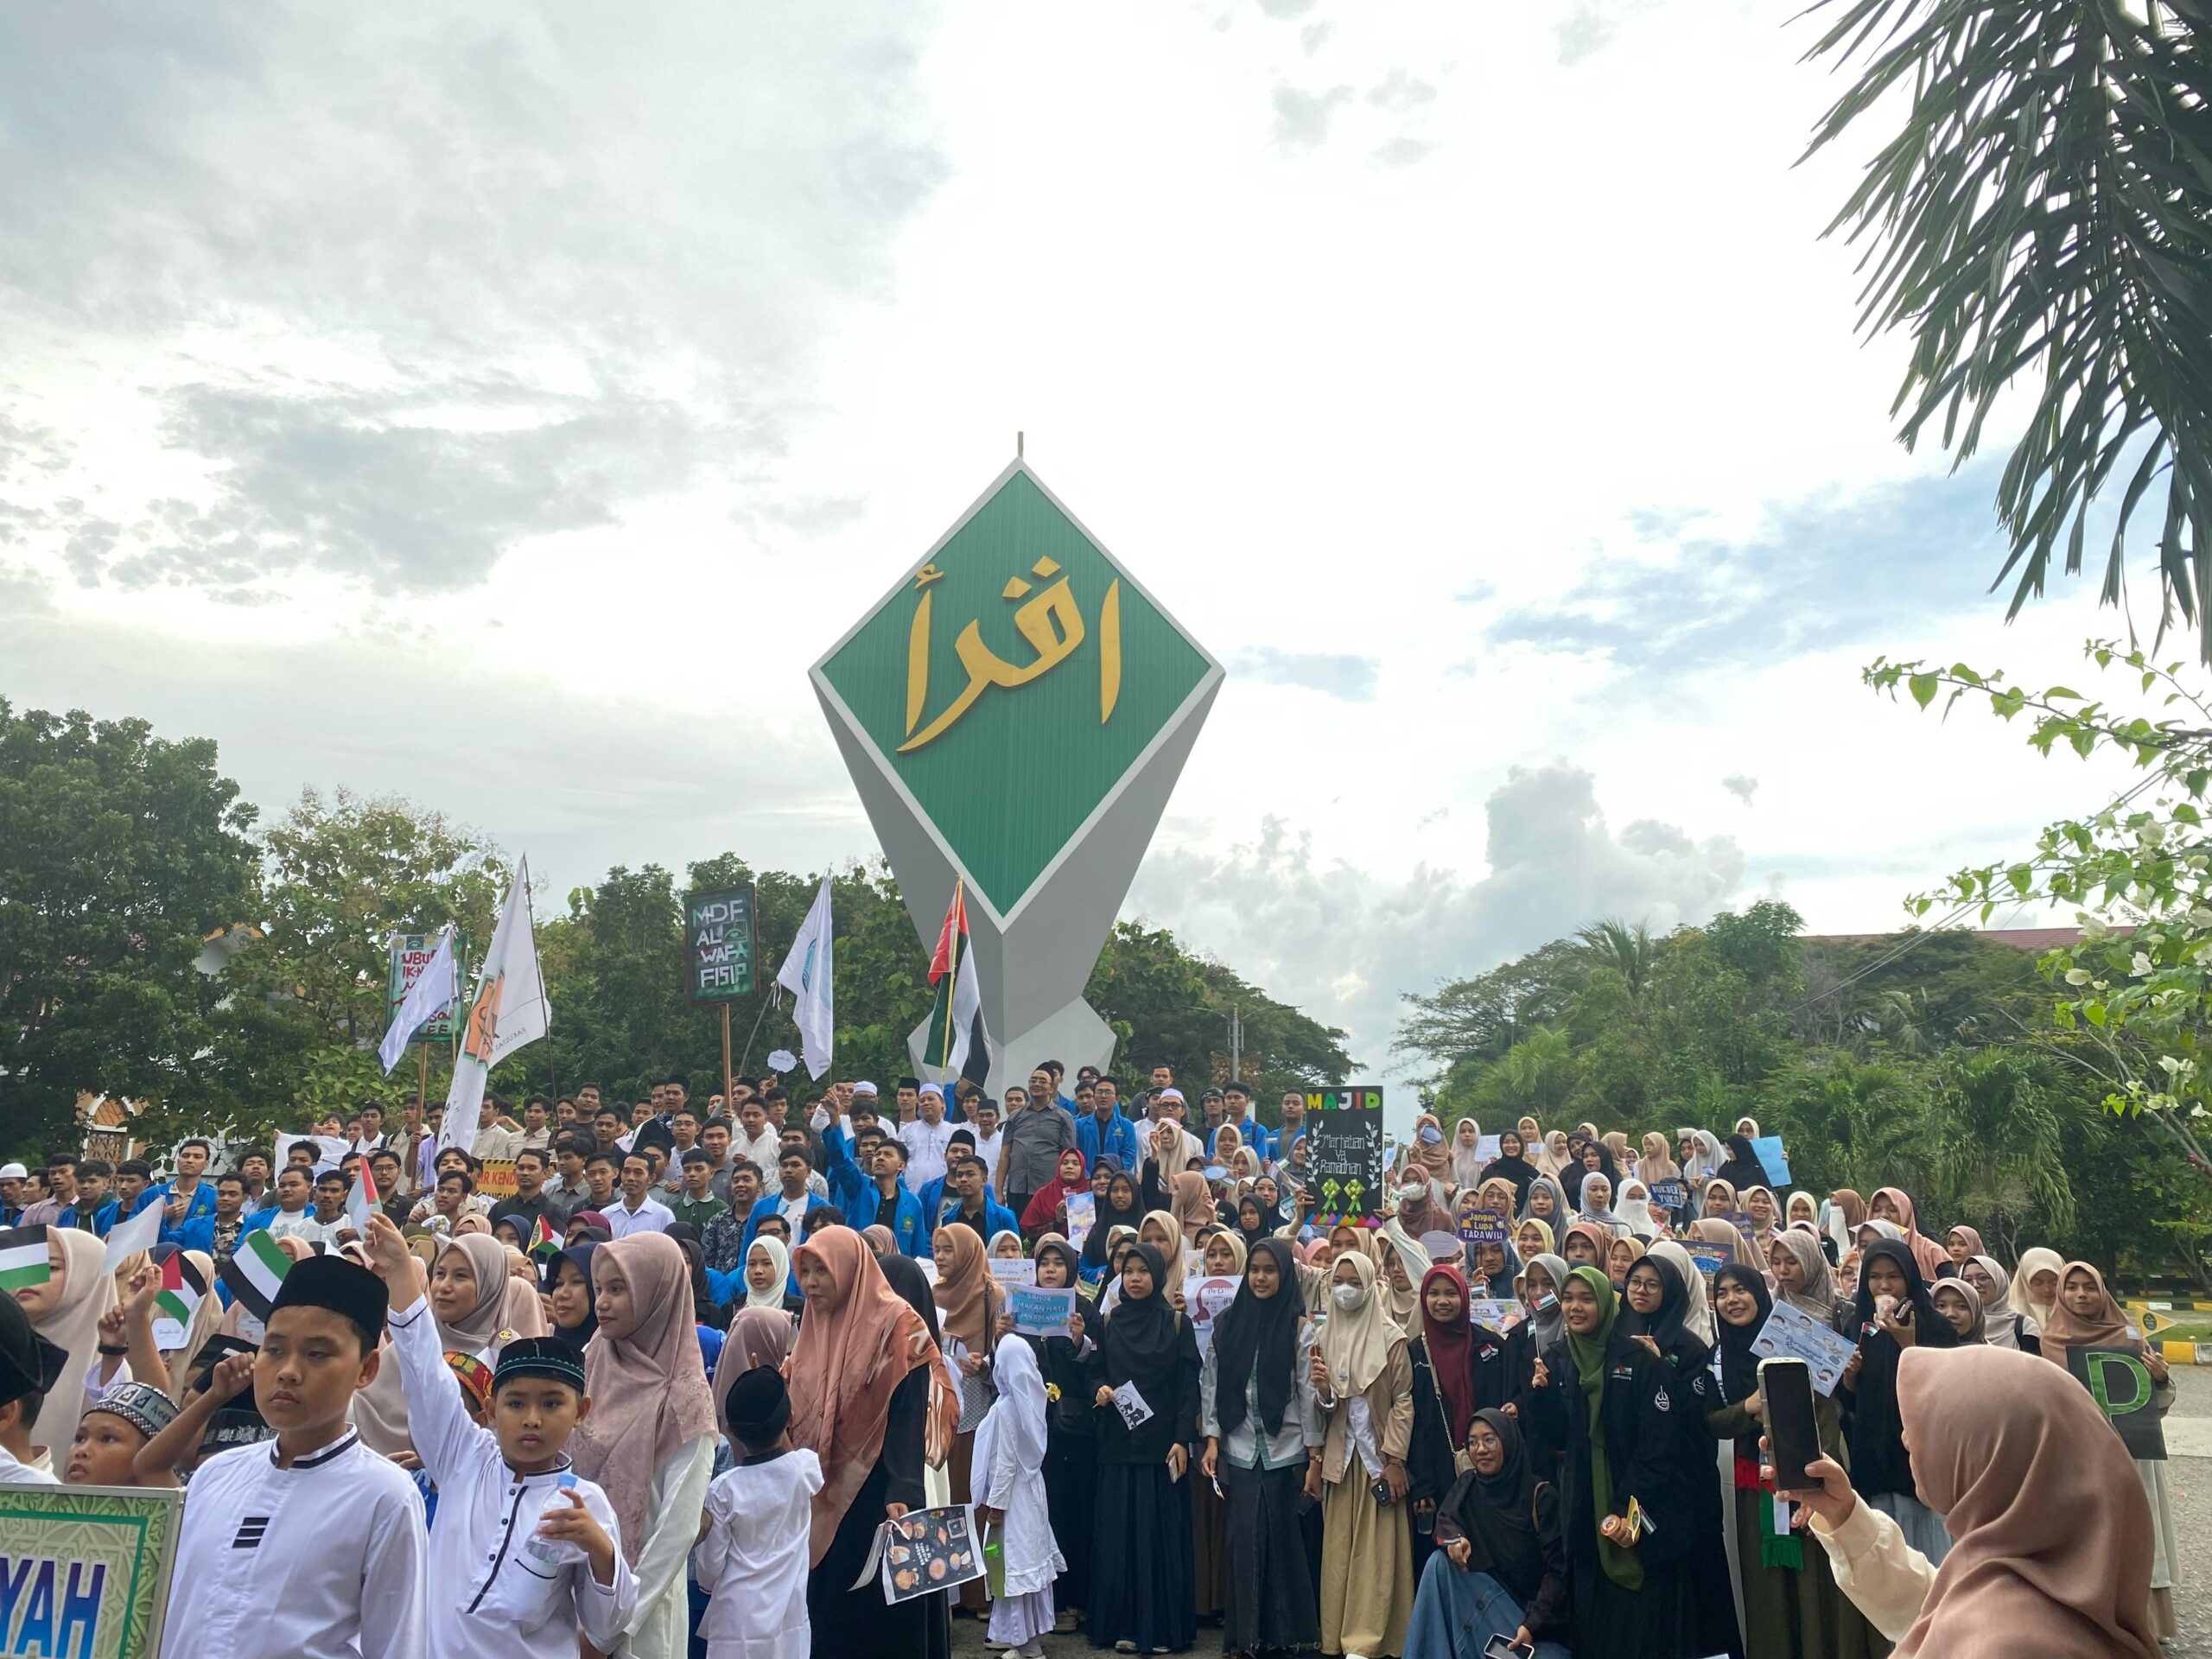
[1588, 1353]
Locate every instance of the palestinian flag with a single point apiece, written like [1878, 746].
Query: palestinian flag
[183, 1288]
[361, 1202]
[23, 1261]
[256, 1269]
[958, 1043]
[544, 1242]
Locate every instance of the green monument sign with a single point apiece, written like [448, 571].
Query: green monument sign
[1014, 713]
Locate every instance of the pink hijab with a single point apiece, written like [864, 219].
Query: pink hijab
[1926, 1251]
[649, 1392]
[2066, 1571]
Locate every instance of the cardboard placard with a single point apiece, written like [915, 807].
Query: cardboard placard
[2120, 1384]
[1345, 1155]
[1768, 1147]
[1669, 1195]
[1042, 1313]
[1082, 1214]
[97, 1559]
[718, 945]
[1483, 1227]
[497, 1180]
[1013, 1269]
[408, 955]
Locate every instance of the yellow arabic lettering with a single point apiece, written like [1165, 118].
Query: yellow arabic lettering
[1052, 624]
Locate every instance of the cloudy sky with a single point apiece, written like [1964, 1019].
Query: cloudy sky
[503, 406]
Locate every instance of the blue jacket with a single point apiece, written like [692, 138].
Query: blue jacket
[1119, 1139]
[202, 1202]
[104, 1218]
[851, 1189]
[770, 1206]
[997, 1219]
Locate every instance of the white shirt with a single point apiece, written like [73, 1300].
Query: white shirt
[16, 1473]
[926, 1144]
[494, 1587]
[284, 1225]
[650, 1217]
[794, 1210]
[763, 1148]
[753, 1562]
[987, 1148]
[320, 1561]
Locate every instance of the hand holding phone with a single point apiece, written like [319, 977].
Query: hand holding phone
[1793, 1432]
[1504, 1646]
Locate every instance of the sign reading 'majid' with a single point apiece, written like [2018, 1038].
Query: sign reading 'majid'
[1015, 712]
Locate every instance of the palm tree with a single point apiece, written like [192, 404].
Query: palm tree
[1629, 951]
[2046, 209]
[1995, 1148]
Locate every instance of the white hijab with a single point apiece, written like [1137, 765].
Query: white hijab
[781, 1255]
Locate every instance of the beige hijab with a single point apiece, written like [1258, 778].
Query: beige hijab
[73, 1325]
[1356, 1347]
[2052, 1532]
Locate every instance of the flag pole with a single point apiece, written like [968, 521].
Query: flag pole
[729, 1086]
[952, 967]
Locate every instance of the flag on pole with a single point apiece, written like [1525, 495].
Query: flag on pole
[957, 1042]
[183, 1288]
[543, 1240]
[430, 996]
[255, 1269]
[805, 975]
[139, 1232]
[510, 1010]
[362, 1200]
[23, 1260]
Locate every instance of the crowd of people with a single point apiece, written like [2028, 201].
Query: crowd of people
[678, 1383]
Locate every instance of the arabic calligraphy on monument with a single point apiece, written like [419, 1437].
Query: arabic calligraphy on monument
[1049, 619]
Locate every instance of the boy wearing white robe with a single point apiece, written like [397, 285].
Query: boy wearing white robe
[310, 1546]
[751, 1559]
[1009, 1482]
[523, 1552]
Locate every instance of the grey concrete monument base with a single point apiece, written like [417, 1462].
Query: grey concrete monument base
[1076, 1036]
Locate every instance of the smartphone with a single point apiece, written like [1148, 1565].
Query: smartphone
[1504, 1646]
[1793, 1435]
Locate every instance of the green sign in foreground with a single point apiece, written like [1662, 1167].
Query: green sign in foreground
[1014, 713]
[85, 1570]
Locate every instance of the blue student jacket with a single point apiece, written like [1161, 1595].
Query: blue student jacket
[1119, 1140]
[997, 1219]
[201, 1202]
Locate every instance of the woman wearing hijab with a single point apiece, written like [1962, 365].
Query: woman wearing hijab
[767, 1275]
[2000, 1325]
[1537, 1287]
[1765, 1212]
[66, 1310]
[1712, 1230]
[1553, 1157]
[2087, 1316]
[1597, 1400]
[2062, 1572]
[569, 1289]
[1697, 1306]
[1117, 1208]
[1531, 1238]
[1257, 1408]
[1792, 1607]
[1466, 1151]
[1960, 1245]
[650, 1440]
[1705, 1155]
[1456, 1369]
[861, 1377]
[1632, 1211]
[1401, 1264]
[1193, 1205]
[1802, 1274]
[1655, 1161]
[1142, 1586]
[1598, 1202]
[1500, 1565]
[1891, 1313]
[478, 1307]
[1512, 1165]
[1009, 1479]
[1742, 1168]
[757, 1336]
[2034, 1288]
[205, 1319]
[1894, 1204]
[1801, 1209]
[1657, 1319]
[1547, 1202]
[1048, 1210]
[1430, 1149]
[1362, 1382]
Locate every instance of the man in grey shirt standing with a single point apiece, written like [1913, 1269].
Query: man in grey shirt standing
[1037, 1131]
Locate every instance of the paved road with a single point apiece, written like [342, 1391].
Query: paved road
[2188, 1437]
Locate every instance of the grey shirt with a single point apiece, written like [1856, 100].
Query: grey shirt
[1032, 1139]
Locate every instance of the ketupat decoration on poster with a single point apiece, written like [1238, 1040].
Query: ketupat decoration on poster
[1344, 1155]
[1015, 714]
[718, 944]
[85, 1570]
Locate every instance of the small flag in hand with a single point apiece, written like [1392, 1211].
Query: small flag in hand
[23, 1260]
[542, 1242]
[257, 1267]
[139, 1232]
[361, 1202]
[183, 1288]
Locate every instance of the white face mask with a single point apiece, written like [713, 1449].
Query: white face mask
[1349, 1298]
[1412, 1191]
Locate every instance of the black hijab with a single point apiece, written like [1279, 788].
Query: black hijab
[1742, 1170]
[1496, 1513]
[1739, 1366]
[1879, 1463]
[579, 1254]
[913, 1290]
[704, 1311]
[1255, 1338]
[1258, 1230]
[1139, 1344]
[1512, 1166]
[1667, 1324]
[1106, 1217]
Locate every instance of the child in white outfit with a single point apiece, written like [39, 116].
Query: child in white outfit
[1009, 1486]
[753, 1561]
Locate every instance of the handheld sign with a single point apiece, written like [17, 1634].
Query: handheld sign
[1040, 1313]
[2119, 1382]
[88, 1569]
[1483, 1227]
[1768, 1148]
[926, 1550]
[1343, 1152]
[1710, 1258]
[1669, 1195]
[718, 944]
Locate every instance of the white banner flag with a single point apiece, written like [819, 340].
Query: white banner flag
[431, 995]
[141, 1232]
[805, 975]
[509, 1011]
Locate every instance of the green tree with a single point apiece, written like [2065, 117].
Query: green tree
[2045, 208]
[121, 855]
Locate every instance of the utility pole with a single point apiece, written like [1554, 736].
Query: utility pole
[1235, 1046]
